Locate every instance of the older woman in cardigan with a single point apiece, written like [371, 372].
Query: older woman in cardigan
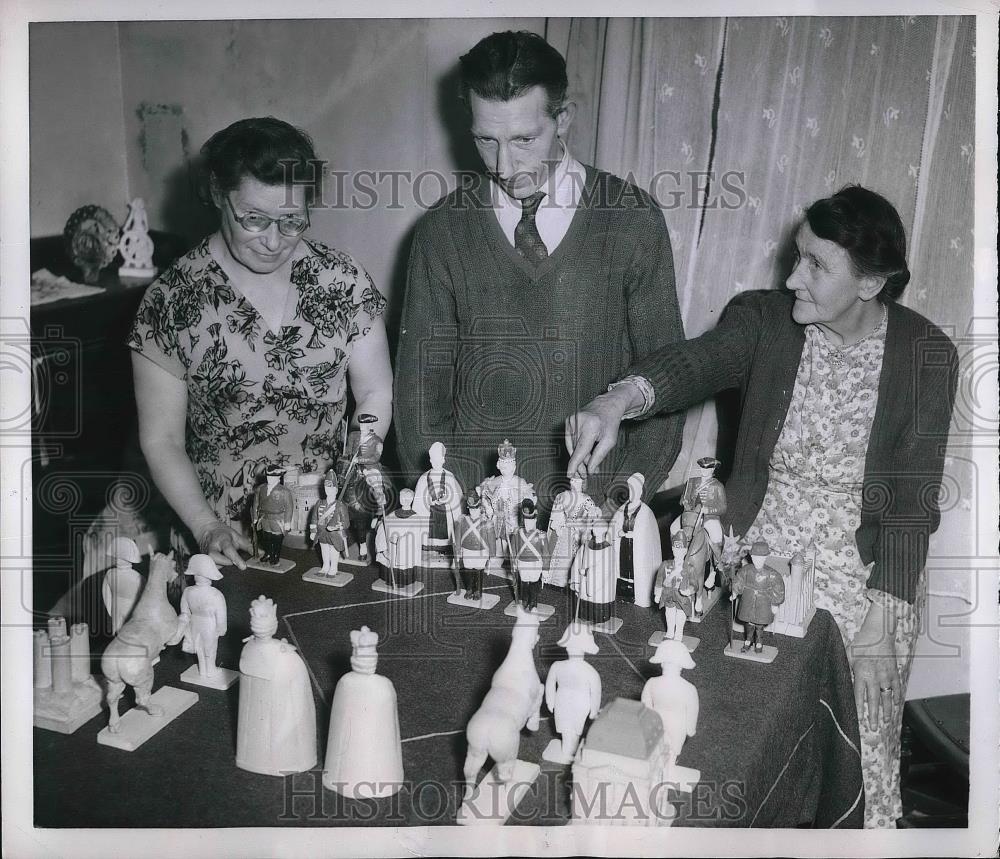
[847, 398]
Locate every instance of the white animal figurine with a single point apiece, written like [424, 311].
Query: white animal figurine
[673, 697]
[203, 615]
[572, 692]
[513, 702]
[364, 757]
[122, 584]
[128, 660]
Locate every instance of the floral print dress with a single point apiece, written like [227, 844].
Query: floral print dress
[256, 396]
[813, 501]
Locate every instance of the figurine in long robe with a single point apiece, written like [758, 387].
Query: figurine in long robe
[572, 510]
[276, 726]
[364, 757]
[637, 542]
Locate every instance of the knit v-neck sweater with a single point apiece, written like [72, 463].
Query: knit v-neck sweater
[491, 346]
[756, 347]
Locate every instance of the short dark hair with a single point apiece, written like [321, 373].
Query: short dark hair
[505, 65]
[268, 149]
[868, 227]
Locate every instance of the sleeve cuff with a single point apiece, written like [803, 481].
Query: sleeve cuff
[645, 388]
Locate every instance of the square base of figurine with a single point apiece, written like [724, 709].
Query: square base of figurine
[792, 630]
[484, 603]
[554, 754]
[318, 577]
[494, 801]
[221, 680]
[283, 565]
[543, 610]
[405, 591]
[137, 725]
[683, 779]
[690, 642]
[357, 563]
[66, 713]
[608, 627]
[708, 601]
[766, 655]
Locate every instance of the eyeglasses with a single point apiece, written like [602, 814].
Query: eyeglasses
[256, 222]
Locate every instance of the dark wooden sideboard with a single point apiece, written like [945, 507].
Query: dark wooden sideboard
[83, 410]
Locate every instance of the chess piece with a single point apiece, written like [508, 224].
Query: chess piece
[637, 540]
[513, 702]
[703, 501]
[438, 497]
[122, 583]
[759, 588]
[276, 725]
[529, 550]
[676, 701]
[572, 692]
[501, 498]
[135, 245]
[572, 510]
[362, 472]
[271, 512]
[397, 548]
[66, 695]
[364, 757]
[593, 580]
[129, 660]
[203, 621]
[474, 545]
[329, 524]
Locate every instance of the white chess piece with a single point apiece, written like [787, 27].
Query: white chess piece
[672, 697]
[572, 691]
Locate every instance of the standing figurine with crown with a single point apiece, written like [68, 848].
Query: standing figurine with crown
[135, 245]
[276, 726]
[364, 756]
[501, 498]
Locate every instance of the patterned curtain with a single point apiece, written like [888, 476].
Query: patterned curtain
[784, 111]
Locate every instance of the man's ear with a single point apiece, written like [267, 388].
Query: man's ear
[564, 118]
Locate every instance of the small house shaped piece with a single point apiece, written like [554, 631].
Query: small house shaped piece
[619, 775]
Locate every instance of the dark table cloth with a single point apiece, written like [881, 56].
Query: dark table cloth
[776, 744]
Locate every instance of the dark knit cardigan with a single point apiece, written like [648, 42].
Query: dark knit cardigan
[491, 347]
[756, 347]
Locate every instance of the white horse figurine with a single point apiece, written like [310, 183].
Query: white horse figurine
[513, 702]
[128, 660]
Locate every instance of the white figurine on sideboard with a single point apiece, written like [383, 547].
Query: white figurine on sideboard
[676, 701]
[637, 546]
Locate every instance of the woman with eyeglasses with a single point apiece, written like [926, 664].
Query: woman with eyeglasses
[244, 348]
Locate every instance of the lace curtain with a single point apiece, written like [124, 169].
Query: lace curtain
[783, 111]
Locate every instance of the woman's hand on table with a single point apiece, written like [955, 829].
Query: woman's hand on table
[224, 544]
[872, 655]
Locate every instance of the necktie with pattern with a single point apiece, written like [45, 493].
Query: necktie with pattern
[527, 242]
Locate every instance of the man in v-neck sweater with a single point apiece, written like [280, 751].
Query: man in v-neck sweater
[530, 289]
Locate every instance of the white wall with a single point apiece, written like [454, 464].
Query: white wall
[76, 127]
